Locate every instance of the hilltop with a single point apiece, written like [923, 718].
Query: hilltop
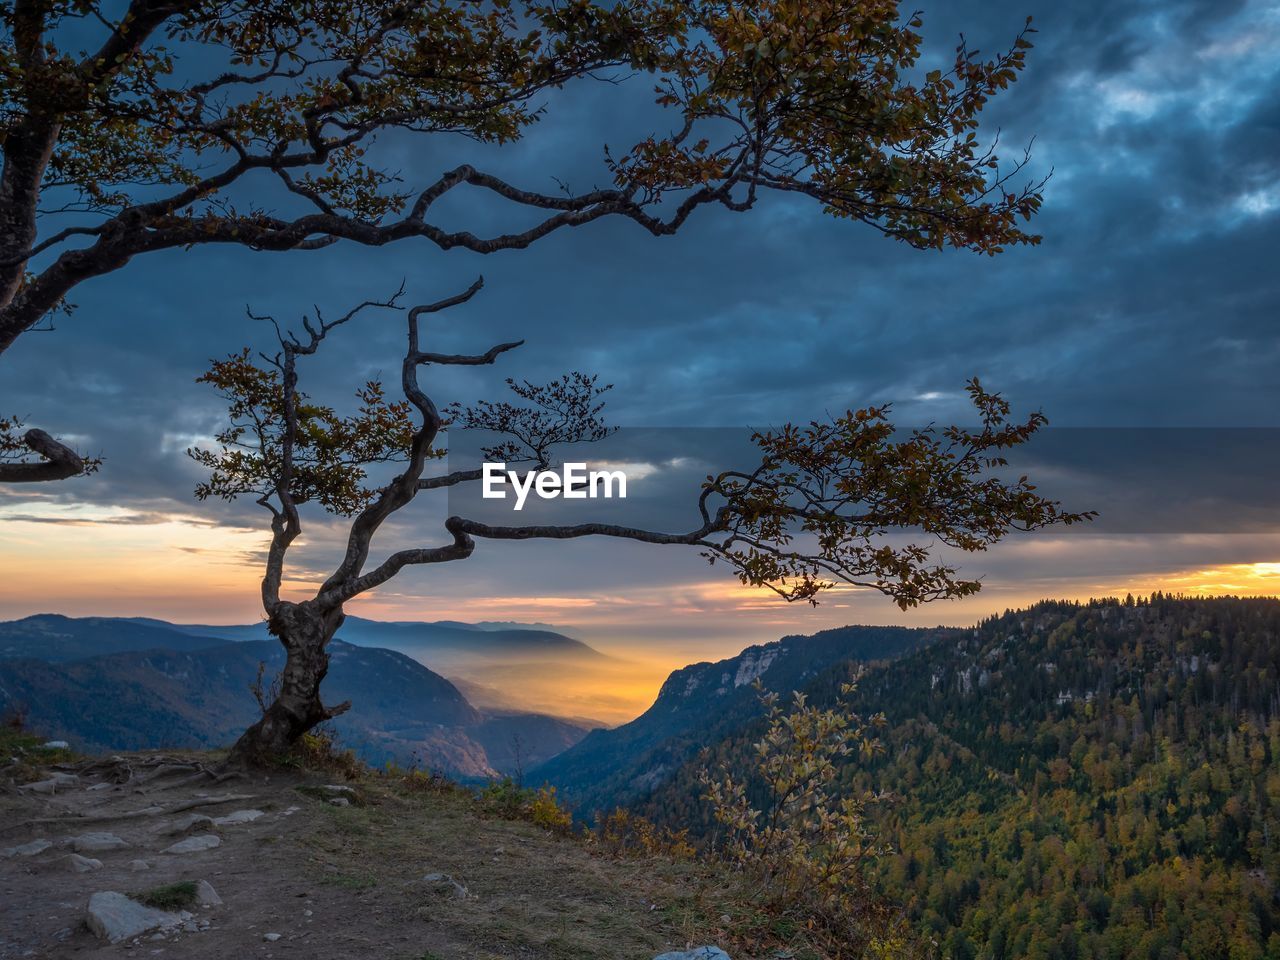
[396, 867]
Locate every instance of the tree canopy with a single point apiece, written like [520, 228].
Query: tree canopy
[167, 124]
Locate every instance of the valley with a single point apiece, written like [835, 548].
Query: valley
[1095, 777]
[190, 687]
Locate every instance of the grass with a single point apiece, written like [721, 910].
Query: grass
[170, 896]
[23, 755]
[531, 891]
[354, 798]
[350, 881]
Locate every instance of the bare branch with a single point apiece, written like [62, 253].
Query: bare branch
[59, 462]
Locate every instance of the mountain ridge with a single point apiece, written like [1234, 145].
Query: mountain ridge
[616, 766]
[156, 687]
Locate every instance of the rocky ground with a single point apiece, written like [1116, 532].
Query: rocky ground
[292, 864]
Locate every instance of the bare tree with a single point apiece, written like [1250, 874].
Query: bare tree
[816, 510]
[131, 128]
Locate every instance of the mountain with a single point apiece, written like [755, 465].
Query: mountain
[449, 638]
[704, 703]
[1072, 780]
[506, 666]
[442, 638]
[56, 638]
[166, 687]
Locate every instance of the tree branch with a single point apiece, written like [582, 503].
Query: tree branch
[60, 461]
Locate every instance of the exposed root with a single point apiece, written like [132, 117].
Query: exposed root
[152, 811]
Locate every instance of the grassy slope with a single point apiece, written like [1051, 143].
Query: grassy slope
[532, 893]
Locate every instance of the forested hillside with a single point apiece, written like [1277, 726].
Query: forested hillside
[1074, 781]
[702, 704]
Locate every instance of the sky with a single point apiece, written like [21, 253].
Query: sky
[1152, 303]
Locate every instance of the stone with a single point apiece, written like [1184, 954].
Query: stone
[192, 821]
[27, 849]
[137, 866]
[237, 817]
[194, 844]
[446, 883]
[337, 790]
[56, 745]
[104, 785]
[113, 917]
[697, 953]
[78, 864]
[340, 801]
[206, 896]
[271, 937]
[97, 843]
[40, 786]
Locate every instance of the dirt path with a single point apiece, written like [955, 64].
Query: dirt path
[304, 870]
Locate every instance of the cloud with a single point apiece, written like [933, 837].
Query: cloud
[1152, 302]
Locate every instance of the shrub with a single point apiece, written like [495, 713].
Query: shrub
[807, 846]
[546, 812]
[623, 833]
[319, 749]
[505, 798]
[418, 780]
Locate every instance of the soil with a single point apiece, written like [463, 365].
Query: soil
[359, 880]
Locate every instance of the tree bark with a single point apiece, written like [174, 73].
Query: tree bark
[59, 463]
[304, 631]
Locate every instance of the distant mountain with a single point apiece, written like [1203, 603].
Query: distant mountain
[499, 625]
[1072, 780]
[418, 639]
[446, 638]
[167, 686]
[506, 666]
[702, 704]
[54, 638]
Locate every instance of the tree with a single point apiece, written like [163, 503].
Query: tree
[177, 124]
[817, 509]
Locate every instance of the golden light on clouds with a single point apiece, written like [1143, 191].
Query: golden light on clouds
[81, 560]
[1243, 579]
[85, 561]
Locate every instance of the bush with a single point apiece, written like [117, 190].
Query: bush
[418, 780]
[319, 749]
[546, 812]
[505, 798]
[623, 833]
[806, 847]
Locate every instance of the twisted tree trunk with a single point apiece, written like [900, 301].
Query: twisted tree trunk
[304, 631]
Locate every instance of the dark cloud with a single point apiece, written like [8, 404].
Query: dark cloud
[1152, 302]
